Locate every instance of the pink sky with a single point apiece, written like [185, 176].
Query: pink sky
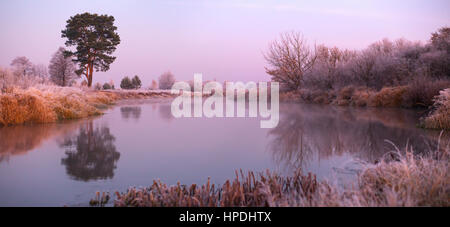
[224, 40]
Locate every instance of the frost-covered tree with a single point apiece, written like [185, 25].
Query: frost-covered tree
[166, 81]
[111, 82]
[6, 78]
[290, 59]
[438, 58]
[328, 67]
[441, 39]
[62, 69]
[98, 86]
[40, 71]
[22, 66]
[154, 85]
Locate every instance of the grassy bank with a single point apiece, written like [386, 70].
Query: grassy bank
[400, 180]
[45, 104]
[408, 96]
[434, 96]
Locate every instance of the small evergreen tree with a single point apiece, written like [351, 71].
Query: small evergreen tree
[126, 83]
[106, 86]
[136, 82]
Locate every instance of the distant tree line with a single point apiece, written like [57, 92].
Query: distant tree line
[23, 73]
[134, 83]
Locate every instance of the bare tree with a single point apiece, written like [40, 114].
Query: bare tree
[40, 71]
[166, 81]
[290, 58]
[22, 66]
[328, 68]
[6, 78]
[62, 69]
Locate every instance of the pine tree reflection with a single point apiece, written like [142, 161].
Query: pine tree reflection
[91, 154]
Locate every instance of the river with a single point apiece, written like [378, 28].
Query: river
[138, 141]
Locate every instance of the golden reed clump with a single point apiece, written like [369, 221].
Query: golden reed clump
[408, 96]
[407, 181]
[44, 104]
[388, 97]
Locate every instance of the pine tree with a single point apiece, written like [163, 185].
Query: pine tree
[126, 83]
[95, 38]
[136, 82]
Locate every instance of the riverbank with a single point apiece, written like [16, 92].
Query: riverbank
[402, 179]
[435, 98]
[47, 104]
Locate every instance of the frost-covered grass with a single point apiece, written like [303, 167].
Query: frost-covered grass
[44, 104]
[440, 117]
[408, 180]
[47, 103]
[408, 96]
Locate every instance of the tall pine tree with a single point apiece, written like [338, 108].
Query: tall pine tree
[95, 38]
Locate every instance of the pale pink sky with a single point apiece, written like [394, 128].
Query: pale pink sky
[221, 39]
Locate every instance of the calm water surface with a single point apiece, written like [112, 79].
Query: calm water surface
[138, 141]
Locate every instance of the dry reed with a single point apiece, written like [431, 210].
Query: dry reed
[45, 104]
[440, 117]
[407, 181]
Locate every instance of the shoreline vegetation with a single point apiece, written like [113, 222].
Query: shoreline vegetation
[49, 104]
[387, 73]
[437, 105]
[401, 179]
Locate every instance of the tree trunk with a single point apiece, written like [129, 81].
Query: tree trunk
[91, 70]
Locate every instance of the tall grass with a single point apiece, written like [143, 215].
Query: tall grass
[44, 104]
[407, 180]
[440, 117]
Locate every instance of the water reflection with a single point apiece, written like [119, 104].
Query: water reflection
[91, 154]
[133, 112]
[307, 132]
[165, 112]
[18, 140]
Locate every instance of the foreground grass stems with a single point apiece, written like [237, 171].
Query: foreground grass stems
[407, 181]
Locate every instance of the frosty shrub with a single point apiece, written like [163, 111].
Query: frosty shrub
[166, 81]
